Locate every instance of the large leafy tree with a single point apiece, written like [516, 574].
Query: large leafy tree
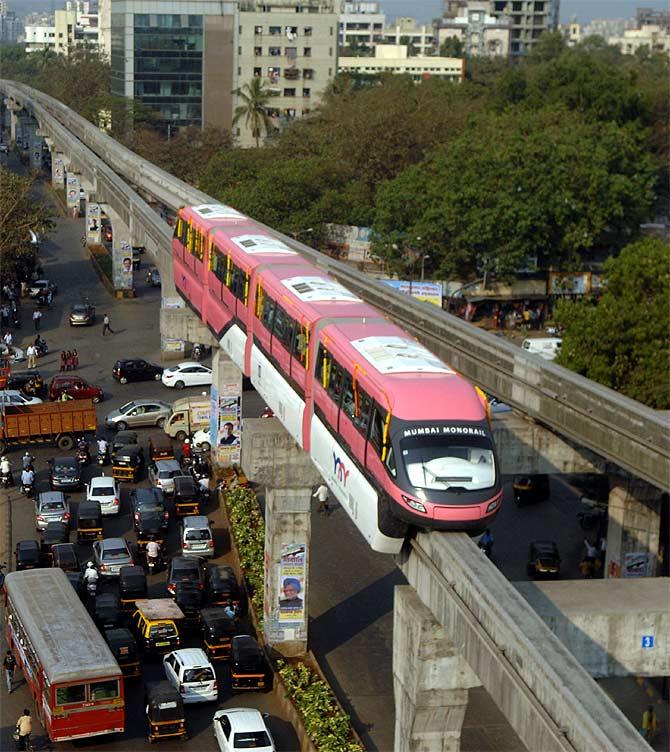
[254, 97]
[624, 341]
[19, 213]
[546, 184]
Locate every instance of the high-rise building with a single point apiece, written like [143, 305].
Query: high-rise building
[11, 27]
[177, 58]
[406, 31]
[361, 25]
[480, 33]
[291, 45]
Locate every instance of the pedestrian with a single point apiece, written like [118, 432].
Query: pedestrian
[588, 564]
[62, 360]
[105, 325]
[9, 664]
[24, 728]
[322, 495]
[649, 724]
[50, 297]
[5, 316]
[75, 358]
[7, 338]
[37, 319]
[31, 354]
[68, 360]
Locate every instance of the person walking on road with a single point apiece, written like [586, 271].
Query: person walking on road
[649, 724]
[322, 495]
[62, 360]
[31, 355]
[37, 319]
[75, 359]
[105, 325]
[24, 728]
[9, 664]
[8, 339]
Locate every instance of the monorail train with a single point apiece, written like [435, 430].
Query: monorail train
[399, 437]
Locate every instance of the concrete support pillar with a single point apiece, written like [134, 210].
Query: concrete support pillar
[122, 254]
[93, 223]
[72, 193]
[13, 124]
[57, 170]
[430, 679]
[271, 458]
[633, 530]
[225, 428]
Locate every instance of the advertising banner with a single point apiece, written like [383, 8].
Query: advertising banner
[230, 425]
[72, 191]
[427, 292]
[569, 283]
[636, 564]
[122, 265]
[292, 571]
[57, 173]
[93, 226]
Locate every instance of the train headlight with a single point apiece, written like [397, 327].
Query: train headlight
[493, 505]
[416, 505]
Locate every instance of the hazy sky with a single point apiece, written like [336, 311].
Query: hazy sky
[585, 10]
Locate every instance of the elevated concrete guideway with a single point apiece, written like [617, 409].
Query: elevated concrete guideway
[617, 428]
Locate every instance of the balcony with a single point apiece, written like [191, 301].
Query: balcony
[292, 74]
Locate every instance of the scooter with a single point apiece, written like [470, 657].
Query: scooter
[103, 458]
[83, 457]
[198, 352]
[27, 489]
[41, 347]
[91, 588]
[7, 479]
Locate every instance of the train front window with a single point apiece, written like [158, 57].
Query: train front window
[449, 463]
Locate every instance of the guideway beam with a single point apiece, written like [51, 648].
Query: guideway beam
[547, 697]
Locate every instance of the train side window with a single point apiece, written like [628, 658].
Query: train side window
[267, 312]
[300, 343]
[176, 235]
[323, 363]
[282, 328]
[364, 405]
[198, 245]
[335, 382]
[377, 429]
[348, 402]
[218, 264]
[238, 283]
[182, 230]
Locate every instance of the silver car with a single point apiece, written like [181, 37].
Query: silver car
[140, 412]
[110, 554]
[51, 506]
[162, 474]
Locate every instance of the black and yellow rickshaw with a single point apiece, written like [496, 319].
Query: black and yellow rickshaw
[222, 588]
[124, 648]
[165, 711]
[186, 496]
[218, 630]
[530, 488]
[123, 439]
[53, 534]
[160, 447]
[89, 521]
[149, 528]
[128, 462]
[188, 596]
[248, 667]
[155, 624]
[132, 586]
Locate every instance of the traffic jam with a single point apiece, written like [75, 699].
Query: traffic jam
[125, 558]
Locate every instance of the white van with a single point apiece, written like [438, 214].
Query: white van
[189, 672]
[189, 415]
[546, 347]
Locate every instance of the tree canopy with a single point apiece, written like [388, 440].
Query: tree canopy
[623, 342]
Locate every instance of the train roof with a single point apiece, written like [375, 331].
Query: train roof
[255, 245]
[213, 215]
[58, 626]
[419, 385]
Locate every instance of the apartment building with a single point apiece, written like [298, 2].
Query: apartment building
[481, 33]
[361, 25]
[654, 37]
[71, 28]
[406, 31]
[292, 47]
[391, 58]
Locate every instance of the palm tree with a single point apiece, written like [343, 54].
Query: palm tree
[254, 97]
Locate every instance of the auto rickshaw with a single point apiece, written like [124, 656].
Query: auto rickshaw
[132, 587]
[218, 629]
[160, 447]
[54, 533]
[530, 488]
[127, 463]
[186, 496]
[188, 597]
[124, 648]
[64, 555]
[124, 439]
[248, 667]
[543, 559]
[107, 610]
[89, 522]
[149, 527]
[221, 588]
[155, 623]
[165, 711]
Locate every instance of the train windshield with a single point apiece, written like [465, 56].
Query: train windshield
[449, 462]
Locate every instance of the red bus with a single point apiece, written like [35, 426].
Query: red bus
[73, 677]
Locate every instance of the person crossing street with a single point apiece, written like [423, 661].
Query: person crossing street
[9, 664]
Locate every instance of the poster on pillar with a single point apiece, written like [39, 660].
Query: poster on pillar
[292, 571]
[57, 173]
[637, 564]
[228, 437]
[36, 152]
[72, 191]
[93, 228]
[122, 263]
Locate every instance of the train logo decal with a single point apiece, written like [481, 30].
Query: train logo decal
[340, 471]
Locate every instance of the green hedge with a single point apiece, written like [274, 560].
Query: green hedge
[325, 724]
[248, 528]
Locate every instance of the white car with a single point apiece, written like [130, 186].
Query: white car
[105, 490]
[242, 728]
[14, 397]
[41, 285]
[189, 373]
[201, 439]
[192, 675]
[15, 353]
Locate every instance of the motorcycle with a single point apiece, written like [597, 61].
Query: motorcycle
[91, 587]
[7, 479]
[27, 489]
[41, 348]
[83, 457]
[103, 458]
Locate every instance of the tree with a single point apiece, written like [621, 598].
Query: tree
[452, 47]
[255, 97]
[623, 341]
[19, 213]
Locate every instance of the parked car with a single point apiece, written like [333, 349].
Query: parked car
[162, 474]
[544, 559]
[65, 474]
[51, 506]
[140, 412]
[15, 397]
[190, 672]
[82, 314]
[148, 501]
[242, 728]
[105, 490]
[110, 554]
[136, 369]
[75, 387]
[42, 285]
[189, 373]
[182, 569]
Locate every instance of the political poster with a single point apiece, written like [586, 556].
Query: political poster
[122, 265]
[93, 225]
[228, 439]
[636, 564]
[57, 173]
[72, 191]
[292, 583]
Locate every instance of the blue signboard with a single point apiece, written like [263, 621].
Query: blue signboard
[647, 641]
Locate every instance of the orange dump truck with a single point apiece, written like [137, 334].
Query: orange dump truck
[58, 423]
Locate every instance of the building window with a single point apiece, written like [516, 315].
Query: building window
[291, 52]
[258, 51]
[273, 75]
[239, 30]
[275, 31]
[308, 31]
[239, 71]
[306, 111]
[306, 93]
[257, 72]
[258, 30]
[307, 52]
[331, 31]
[239, 51]
[289, 92]
[275, 51]
[308, 73]
[330, 52]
